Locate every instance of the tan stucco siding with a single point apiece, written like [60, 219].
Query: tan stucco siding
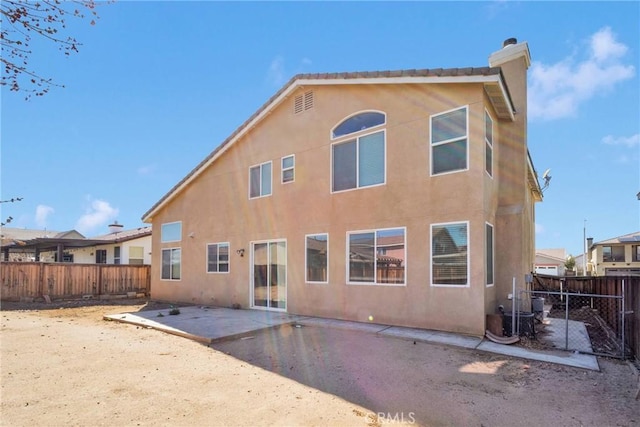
[215, 207]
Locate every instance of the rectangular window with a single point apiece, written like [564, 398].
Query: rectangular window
[288, 169]
[636, 253]
[218, 258]
[317, 264]
[488, 140]
[489, 254]
[449, 254]
[171, 264]
[377, 256]
[613, 253]
[449, 141]
[358, 162]
[136, 255]
[171, 232]
[101, 256]
[260, 180]
[116, 255]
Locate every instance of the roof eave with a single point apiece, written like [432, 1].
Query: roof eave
[532, 177]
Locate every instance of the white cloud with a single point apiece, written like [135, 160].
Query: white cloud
[146, 169]
[42, 213]
[629, 141]
[97, 214]
[557, 90]
[276, 74]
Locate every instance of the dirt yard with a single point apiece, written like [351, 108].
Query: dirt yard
[63, 365]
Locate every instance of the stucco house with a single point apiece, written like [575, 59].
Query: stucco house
[119, 246]
[406, 197]
[618, 256]
[550, 261]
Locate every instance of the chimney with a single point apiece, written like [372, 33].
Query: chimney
[509, 42]
[115, 227]
[510, 51]
[589, 242]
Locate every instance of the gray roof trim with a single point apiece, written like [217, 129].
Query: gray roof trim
[487, 75]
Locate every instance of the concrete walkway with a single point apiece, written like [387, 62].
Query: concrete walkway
[212, 324]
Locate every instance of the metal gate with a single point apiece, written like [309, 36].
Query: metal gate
[587, 323]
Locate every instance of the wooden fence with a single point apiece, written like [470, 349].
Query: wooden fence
[66, 280]
[629, 286]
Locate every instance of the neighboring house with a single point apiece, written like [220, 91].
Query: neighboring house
[117, 247]
[619, 256]
[550, 262]
[406, 195]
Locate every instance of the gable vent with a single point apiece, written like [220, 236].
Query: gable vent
[303, 102]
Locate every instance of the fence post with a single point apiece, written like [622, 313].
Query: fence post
[41, 280]
[566, 324]
[99, 280]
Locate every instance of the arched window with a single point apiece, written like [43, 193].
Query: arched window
[360, 160]
[359, 122]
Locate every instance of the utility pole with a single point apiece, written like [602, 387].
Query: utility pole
[584, 246]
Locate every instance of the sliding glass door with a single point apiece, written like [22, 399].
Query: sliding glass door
[269, 274]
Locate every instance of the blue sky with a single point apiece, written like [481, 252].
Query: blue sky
[157, 86]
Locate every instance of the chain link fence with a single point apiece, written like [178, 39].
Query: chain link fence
[587, 323]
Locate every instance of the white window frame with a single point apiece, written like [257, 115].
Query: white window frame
[444, 285]
[375, 268]
[493, 255]
[171, 279]
[261, 165]
[285, 169]
[218, 262]
[306, 258]
[355, 137]
[488, 143]
[165, 230]
[448, 141]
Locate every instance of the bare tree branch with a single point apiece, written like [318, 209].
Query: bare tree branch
[47, 19]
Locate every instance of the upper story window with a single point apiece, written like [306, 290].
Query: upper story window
[635, 253]
[288, 169]
[260, 180]
[358, 161]
[171, 232]
[613, 253]
[361, 121]
[488, 141]
[449, 134]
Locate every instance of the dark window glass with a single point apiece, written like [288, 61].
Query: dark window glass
[359, 122]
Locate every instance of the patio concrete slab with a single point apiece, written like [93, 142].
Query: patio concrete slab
[213, 324]
[457, 340]
[577, 332]
[574, 359]
[207, 324]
